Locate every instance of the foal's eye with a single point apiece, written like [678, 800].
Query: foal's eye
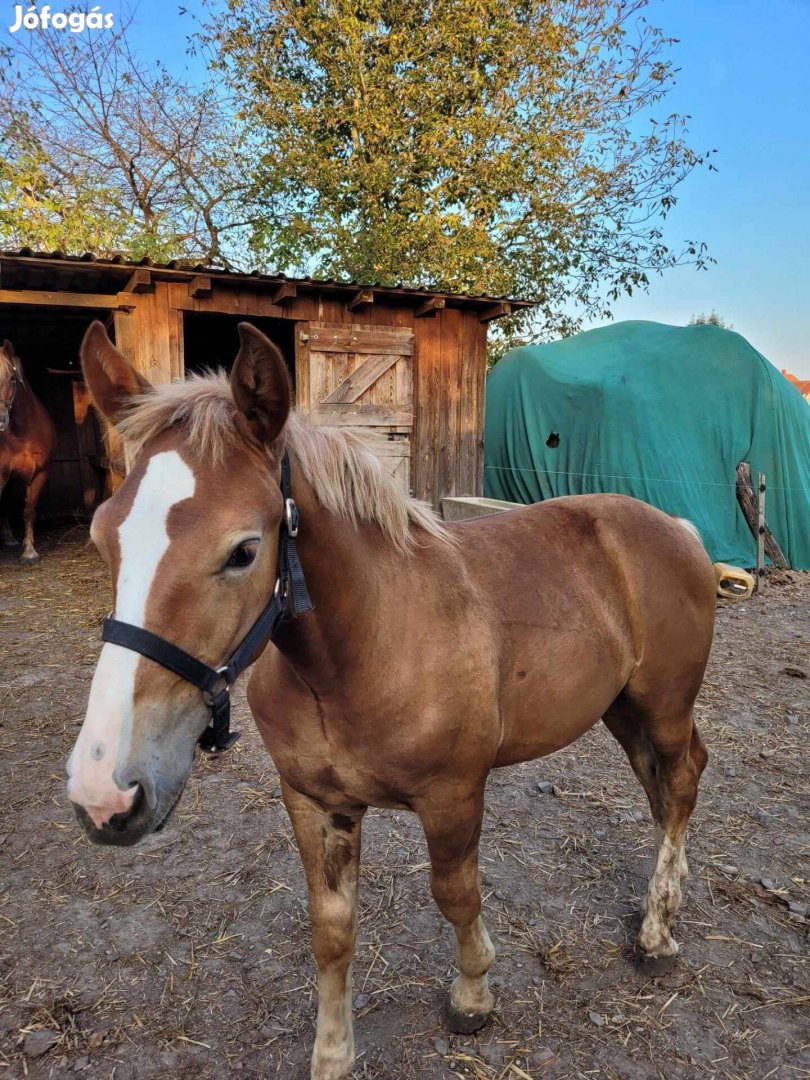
[243, 555]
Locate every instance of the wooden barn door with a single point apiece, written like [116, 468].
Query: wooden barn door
[361, 376]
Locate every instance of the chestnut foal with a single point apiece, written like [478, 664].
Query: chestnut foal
[431, 655]
[27, 443]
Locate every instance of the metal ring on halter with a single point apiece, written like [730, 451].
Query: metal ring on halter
[209, 695]
[291, 517]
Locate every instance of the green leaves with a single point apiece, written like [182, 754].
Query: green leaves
[498, 146]
[509, 147]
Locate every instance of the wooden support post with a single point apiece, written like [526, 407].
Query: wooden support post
[126, 302]
[140, 282]
[750, 509]
[361, 298]
[85, 437]
[760, 532]
[200, 287]
[285, 291]
[495, 311]
[429, 307]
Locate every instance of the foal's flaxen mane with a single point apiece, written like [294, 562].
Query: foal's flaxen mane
[346, 477]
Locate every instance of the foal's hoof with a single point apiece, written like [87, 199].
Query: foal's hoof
[653, 966]
[333, 1063]
[461, 1023]
[29, 560]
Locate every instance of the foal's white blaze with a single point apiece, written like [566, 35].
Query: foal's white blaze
[103, 742]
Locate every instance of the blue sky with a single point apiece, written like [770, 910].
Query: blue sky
[745, 81]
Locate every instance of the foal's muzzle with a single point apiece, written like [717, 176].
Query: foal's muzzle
[125, 830]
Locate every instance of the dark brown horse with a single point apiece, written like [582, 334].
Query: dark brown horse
[431, 656]
[27, 441]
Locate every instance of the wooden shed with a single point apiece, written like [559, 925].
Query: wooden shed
[409, 365]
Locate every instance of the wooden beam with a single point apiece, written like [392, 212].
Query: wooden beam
[353, 415]
[397, 340]
[429, 307]
[361, 298]
[99, 301]
[140, 282]
[495, 311]
[285, 291]
[200, 287]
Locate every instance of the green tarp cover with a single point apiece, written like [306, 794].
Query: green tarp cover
[664, 413]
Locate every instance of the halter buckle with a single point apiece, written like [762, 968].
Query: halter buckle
[291, 517]
[209, 696]
[218, 737]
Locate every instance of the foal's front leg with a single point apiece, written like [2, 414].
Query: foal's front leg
[29, 555]
[330, 851]
[452, 827]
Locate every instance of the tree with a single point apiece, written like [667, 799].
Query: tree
[99, 152]
[498, 146]
[712, 319]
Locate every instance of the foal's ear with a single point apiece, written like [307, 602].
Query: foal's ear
[110, 378]
[260, 384]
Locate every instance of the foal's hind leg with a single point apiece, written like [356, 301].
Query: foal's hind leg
[622, 721]
[680, 764]
[452, 826]
[7, 537]
[668, 757]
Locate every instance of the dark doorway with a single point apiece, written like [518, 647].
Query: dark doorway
[47, 340]
[212, 341]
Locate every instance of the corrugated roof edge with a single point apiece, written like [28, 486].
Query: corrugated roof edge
[184, 267]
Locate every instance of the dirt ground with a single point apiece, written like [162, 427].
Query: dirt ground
[188, 956]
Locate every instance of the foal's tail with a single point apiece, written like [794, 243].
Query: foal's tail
[690, 528]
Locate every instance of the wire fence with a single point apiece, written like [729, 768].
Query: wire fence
[640, 479]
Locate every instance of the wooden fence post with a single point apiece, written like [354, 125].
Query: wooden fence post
[760, 531]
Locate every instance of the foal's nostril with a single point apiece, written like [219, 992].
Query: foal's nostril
[120, 822]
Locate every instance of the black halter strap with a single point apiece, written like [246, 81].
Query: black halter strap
[290, 598]
[9, 401]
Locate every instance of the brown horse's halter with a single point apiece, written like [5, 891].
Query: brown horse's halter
[290, 598]
[5, 418]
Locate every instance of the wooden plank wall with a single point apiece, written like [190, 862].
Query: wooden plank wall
[449, 368]
[151, 335]
[450, 373]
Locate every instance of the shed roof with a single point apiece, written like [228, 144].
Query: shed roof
[107, 273]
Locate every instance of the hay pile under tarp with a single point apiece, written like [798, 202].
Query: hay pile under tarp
[664, 413]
